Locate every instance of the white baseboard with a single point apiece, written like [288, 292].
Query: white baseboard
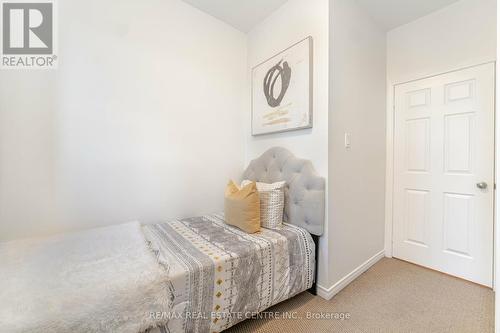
[328, 293]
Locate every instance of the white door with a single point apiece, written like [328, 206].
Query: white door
[444, 173]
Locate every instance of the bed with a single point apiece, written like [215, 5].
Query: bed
[187, 275]
[220, 275]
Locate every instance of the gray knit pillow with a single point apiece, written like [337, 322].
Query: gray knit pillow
[272, 203]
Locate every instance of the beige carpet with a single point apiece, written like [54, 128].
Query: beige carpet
[392, 296]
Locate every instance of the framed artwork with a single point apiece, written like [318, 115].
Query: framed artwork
[282, 90]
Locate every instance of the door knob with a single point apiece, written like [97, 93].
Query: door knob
[482, 185]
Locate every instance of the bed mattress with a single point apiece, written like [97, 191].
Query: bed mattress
[220, 275]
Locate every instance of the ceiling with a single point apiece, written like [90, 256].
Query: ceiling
[246, 14]
[390, 14]
[243, 15]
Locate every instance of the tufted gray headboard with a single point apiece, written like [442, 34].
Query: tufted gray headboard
[304, 191]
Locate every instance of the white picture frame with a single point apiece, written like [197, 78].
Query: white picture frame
[282, 90]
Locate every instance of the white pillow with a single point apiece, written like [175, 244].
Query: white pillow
[272, 203]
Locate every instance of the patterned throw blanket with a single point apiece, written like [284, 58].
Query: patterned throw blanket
[220, 275]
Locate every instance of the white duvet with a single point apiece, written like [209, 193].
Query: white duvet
[100, 280]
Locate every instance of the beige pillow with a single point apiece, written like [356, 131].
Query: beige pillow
[272, 203]
[242, 207]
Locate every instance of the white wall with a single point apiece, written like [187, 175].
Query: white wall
[357, 175]
[144, 119]
[291, 23]
[457, 36]
[496, 257]
[460, 35]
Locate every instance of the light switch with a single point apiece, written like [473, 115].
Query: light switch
[347, 140]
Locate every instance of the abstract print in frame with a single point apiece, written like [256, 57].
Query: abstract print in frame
[282, 90]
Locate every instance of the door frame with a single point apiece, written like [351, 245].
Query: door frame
[389, 177]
